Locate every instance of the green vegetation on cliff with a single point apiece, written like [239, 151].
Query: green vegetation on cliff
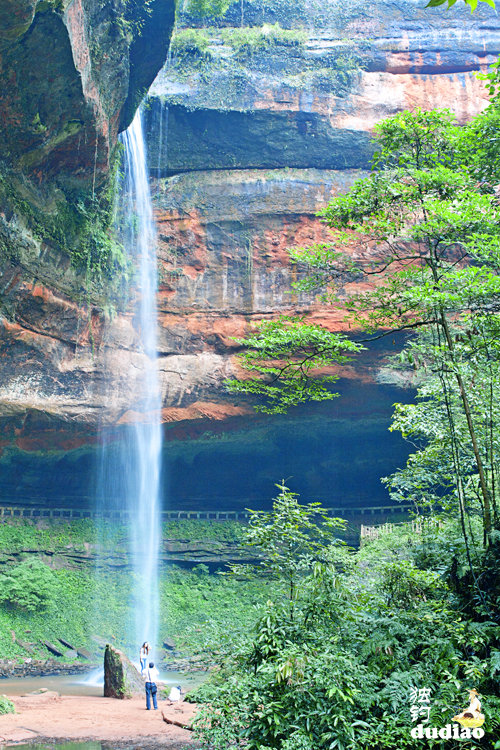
[219, 65]
[75, 224]
[50, 588]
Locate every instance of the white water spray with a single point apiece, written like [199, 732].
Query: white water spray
[143, 450]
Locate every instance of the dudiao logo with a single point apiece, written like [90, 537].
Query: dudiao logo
[466, 725]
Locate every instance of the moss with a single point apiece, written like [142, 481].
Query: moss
[245, 41]
[114, 677]
[36, 155]
[220, 66]
[76, 224]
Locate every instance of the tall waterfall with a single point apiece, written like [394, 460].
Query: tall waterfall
[141, 454]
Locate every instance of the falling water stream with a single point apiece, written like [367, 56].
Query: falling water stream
[144, 446]
[129, 476]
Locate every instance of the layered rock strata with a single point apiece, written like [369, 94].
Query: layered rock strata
[312, 99]
[257, 133]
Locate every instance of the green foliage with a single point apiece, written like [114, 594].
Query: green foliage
[30, 586]
[471, 3]
[189, 529]
[478, 146]
[190, 44]
[371, 626]
[207, 8]
[287, 352]
[290, 541]
[6, 705]
[419, 140]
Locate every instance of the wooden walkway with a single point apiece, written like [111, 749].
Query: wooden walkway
[36, 512]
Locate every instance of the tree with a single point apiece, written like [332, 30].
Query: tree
[425, 234]
[284, 353]
[290, 540]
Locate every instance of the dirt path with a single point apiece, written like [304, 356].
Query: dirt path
[68, 717]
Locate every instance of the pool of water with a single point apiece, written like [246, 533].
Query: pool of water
[88, 684]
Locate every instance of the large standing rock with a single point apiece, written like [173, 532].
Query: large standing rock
[121, 678]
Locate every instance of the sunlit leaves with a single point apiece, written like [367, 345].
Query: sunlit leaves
[285, 354]
[471, 3]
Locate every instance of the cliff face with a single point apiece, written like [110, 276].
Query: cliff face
[250, 132]
[310, 97]
[72, 73]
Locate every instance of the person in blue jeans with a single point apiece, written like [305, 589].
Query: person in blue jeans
[151, 675]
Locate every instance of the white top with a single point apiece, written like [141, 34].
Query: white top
[475, 704]
[143, 653]
[151, 673]
[175, 694]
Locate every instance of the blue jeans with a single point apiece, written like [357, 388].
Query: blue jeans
[151, 692]
[143, 665]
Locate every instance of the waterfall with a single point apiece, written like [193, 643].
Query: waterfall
[129, 474]
[144, 448]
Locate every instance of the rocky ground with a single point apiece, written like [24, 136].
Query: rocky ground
[41, 667]
[50, 717]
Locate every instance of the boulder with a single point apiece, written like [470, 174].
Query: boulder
[83, 653]
[67, 644]
[53, 649]
[121, 678]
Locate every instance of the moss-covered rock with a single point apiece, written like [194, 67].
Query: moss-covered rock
[121, 678]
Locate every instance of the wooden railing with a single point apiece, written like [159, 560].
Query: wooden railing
[417, 526]
[32, 511]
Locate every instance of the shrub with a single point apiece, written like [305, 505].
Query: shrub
[30, 586]
[6, 705]
[190, 43]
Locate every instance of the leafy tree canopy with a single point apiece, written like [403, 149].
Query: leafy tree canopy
[471, 3]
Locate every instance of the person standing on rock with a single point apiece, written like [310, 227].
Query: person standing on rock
[151, 687]
[143, 655]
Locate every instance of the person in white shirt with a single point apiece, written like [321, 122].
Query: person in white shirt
[151, 675]
[175, 694]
